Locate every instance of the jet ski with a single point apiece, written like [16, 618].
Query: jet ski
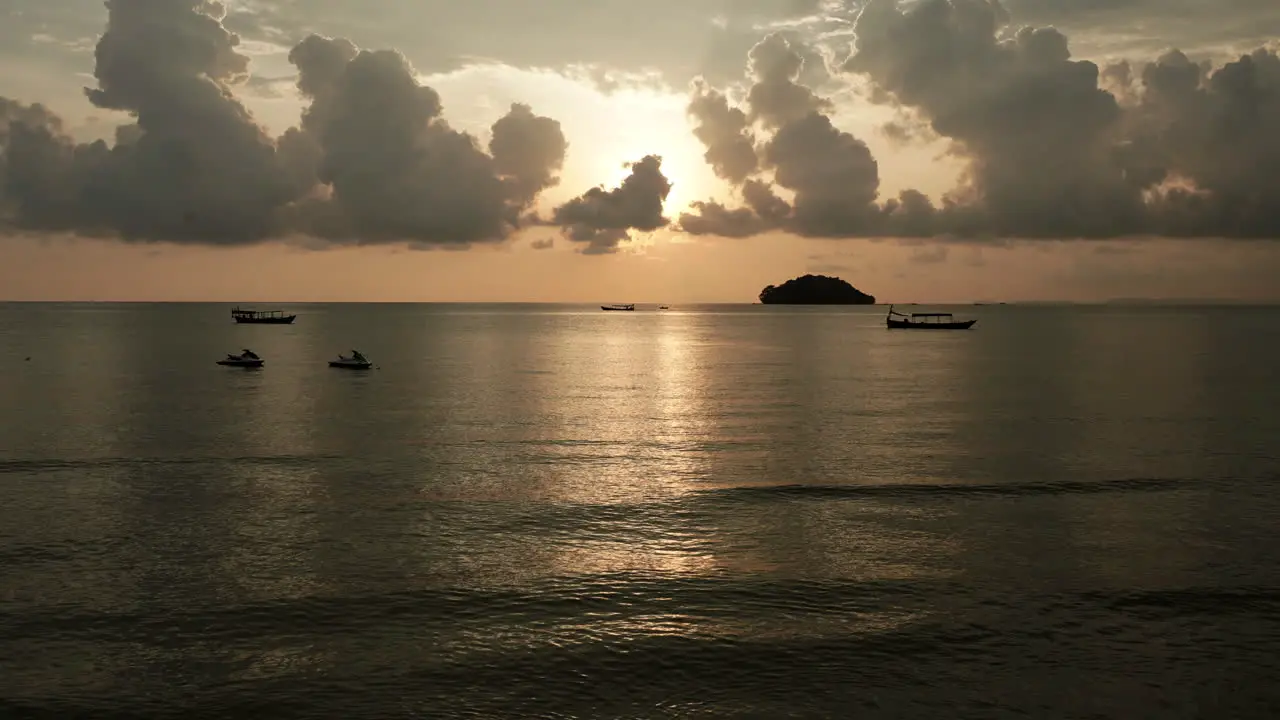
[357, 361]
[246, 359]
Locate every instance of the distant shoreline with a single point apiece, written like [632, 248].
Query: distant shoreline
[676, 305]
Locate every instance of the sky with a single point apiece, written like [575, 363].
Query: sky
[670, 151]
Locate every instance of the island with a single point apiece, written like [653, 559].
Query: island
[815, 290]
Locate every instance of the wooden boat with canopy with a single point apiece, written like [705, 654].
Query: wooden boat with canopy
[925, 321]
[262, 317]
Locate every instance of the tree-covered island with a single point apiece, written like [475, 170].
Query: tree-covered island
[815, 290]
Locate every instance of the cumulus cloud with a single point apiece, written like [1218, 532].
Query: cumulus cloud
[601, 219]
[372, 160]
[725, 131]
[389, 167]
[528, 150]
[777, 98]
[194, 166]
[1053, 147]
[1032, 124]
[1209, 138]
[831, 175]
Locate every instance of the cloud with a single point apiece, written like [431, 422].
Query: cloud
[193, 167]
[831, 175]
[1032, 124]
[931, 255]
[725, 131]
[52, 31]
[388, 166]
[1154, 25]
[372, 160]
[528, 150]
[272, 88]
[675, 39]
[777, 97]
[1053, 147]
[602, 219]
[1209, 139]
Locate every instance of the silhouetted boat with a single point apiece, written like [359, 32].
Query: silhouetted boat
[925, 321]
[664, 307]
[246, 359]
[625, 308]
[262, 317]
[355, 362]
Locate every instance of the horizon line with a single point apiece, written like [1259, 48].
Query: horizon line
[1048, 301]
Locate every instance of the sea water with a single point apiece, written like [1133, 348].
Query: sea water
[714, 511]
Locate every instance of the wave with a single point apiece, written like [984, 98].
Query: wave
[642, 645]
[909, 490]
[28, 466]
[1195, 601]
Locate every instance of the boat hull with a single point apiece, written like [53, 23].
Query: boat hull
[349, 365]
[286, 320]
[908, 325]
[241, 363]
[606, 308]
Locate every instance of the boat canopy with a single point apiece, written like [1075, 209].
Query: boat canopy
[257, 313]
[919, 315]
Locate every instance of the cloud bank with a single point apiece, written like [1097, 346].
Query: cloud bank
[372, 160]
[1053, 147]
[664, 40]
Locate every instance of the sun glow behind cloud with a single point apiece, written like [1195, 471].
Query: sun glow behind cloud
[606, 130]
[613, 120]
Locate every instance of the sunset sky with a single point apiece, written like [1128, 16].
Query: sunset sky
[609, 151]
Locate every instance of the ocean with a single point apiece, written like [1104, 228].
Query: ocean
[549, 511]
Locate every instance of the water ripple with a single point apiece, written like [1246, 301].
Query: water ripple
[617, 646]
[908, 490]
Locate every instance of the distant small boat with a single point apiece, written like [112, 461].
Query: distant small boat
[925, 321]
[262, 317]
[357, 361]
[664, 307]
[624, 308]
[246, 359]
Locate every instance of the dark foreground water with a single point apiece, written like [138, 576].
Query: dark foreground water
[542, 511]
